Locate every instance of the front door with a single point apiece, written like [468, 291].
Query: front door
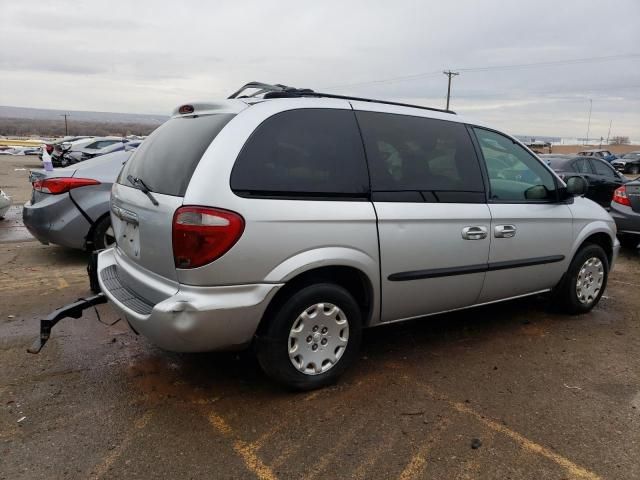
[531, 231]
[433, 220]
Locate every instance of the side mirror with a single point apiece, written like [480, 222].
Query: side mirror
[537, 192]
[576, 186]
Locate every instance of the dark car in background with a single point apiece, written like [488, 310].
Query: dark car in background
[603, 180]
[628, 163]
[625, 210]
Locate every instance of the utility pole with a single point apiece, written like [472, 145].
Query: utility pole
[449, 74]
[609, 132]
[66, 130]
[589, 122]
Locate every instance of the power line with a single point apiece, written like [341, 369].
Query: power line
[573, 61]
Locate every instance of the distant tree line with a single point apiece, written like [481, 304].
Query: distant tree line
[619, 140]
[23, 127]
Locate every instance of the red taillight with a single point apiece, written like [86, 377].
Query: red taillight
[56, 186]
[620, 196]
[49, 148]
[202, 234]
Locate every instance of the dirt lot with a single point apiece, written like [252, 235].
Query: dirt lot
[542, 396]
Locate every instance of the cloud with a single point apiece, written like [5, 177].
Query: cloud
[146, 56]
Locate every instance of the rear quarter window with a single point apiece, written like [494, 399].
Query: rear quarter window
[303, 153]
[166, 160]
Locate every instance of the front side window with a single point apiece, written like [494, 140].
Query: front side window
[303, 153]
[515, 175]
[416, 154]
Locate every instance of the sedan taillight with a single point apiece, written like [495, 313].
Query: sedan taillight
[203, 234]
[620, 196]
[56, 186]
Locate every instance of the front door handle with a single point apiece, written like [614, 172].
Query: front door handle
[474, 233]
[505, 231]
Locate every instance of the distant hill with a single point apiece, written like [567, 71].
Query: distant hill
[19, 121]
[81, 116]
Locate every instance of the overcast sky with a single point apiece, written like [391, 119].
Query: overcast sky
[149, 56]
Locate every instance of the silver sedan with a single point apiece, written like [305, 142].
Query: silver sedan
[70, 206]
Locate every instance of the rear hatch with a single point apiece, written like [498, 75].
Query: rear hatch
[633, 193]
[142, 222]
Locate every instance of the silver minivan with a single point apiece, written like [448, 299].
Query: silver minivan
[290, 220]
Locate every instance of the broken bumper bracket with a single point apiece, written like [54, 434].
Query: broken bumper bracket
[73, 310]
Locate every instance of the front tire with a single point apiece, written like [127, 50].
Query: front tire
[311, 338]
[585, 280]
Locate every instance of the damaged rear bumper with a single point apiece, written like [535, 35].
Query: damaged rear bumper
[193, 319]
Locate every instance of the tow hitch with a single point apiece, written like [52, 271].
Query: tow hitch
[73, 310]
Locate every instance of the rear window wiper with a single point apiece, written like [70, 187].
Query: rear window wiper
[138, 183]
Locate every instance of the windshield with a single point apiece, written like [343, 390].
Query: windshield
[166, 160]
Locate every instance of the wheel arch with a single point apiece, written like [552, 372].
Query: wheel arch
[352, 279]
[599, 236]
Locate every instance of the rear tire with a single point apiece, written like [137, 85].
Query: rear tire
[629, 241]
[311, 338]
[103, 234]
[585, 281]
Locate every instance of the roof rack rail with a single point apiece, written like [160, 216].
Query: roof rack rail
[283, 91]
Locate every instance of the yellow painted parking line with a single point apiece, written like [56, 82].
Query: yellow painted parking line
[574, 470]
[416, 466]
[362, 470]
[116, 453]
[246, 450]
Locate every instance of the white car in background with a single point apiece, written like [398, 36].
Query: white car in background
[5, 203]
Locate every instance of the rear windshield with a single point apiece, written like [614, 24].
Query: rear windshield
[166, 160]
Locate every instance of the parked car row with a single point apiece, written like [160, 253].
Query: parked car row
[69, 153]
[607, 187]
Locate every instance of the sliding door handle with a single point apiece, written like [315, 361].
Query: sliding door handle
[474, 233]
[505, 231]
